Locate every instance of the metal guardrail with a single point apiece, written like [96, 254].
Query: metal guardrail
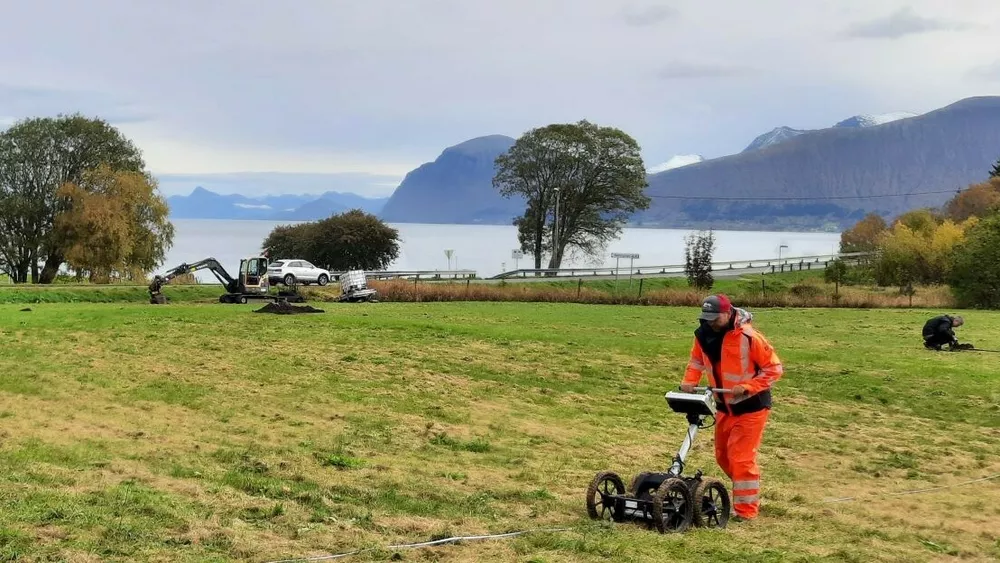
[675, 268]
[419, 274]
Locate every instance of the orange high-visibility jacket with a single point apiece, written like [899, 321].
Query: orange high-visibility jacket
[747, 359]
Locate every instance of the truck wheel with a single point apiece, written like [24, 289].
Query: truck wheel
[289, 280]
[243, 300]
[323, 280]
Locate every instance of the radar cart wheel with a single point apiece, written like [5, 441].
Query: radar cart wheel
[711, 504]
[672, 507]
[600, 502]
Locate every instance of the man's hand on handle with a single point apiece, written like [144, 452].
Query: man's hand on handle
[737, 391]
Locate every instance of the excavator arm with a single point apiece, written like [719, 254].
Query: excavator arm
[210, 263]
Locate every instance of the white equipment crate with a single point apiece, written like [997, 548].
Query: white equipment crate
[354, 287]
[353, 280]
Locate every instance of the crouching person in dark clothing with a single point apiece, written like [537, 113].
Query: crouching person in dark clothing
[939, 331]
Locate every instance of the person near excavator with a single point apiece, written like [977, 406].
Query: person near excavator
[736, 357]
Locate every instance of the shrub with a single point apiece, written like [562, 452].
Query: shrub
[917, 250]
[835, 272]
[806, 290]
[698, 251]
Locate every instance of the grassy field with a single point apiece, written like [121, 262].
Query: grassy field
[205, 432]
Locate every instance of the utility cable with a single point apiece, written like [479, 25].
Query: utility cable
[456, 539]
[916, 491]
[798, 198]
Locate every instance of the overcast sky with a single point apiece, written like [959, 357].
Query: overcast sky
[378, 87]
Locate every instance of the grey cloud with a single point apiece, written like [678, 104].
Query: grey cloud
[254, 85]
[648, 15]
[680, 70]
[986, 72]
[902, 22]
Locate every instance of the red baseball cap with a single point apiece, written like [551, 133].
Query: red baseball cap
[713, 306]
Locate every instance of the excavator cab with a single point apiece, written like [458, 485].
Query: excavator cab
[253, 275]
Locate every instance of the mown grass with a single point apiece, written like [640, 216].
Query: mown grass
[195, 432]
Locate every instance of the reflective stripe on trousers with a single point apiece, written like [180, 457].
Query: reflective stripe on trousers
[737, 439]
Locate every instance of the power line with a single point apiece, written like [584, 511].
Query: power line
[808, 198]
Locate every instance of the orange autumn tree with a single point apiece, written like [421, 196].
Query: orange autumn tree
[113, 223]
[978, 200]
[864, 235]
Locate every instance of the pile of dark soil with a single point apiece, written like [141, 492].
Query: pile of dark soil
[286, 308]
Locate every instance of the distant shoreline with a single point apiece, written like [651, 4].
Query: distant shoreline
[674, 226]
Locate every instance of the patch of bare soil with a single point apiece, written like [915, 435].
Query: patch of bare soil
[286, 308]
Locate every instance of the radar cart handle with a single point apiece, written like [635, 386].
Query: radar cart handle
[712, 389]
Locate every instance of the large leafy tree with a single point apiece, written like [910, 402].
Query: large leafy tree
[112, 222]
[354, 240]
[864, 235]
[974, 273]
[592, 175]
[38, 156]
[978, 200]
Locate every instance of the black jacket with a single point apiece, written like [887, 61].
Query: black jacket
[939, 326]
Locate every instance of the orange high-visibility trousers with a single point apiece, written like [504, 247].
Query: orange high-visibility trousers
[737, 438]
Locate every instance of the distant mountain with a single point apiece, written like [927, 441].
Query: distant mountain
[318, 209]
[205, 204]
[786, 179]
[354, 201]
[940, 151]
[773, 137]
[782, 134]
[676, 161]
[456, 188]
[865, 120]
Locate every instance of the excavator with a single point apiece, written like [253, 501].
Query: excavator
[250, 284]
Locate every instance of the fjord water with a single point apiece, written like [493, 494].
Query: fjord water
[487, 248]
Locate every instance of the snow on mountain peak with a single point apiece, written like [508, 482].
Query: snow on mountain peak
[676, 161]
[868, 120]
[773, 137]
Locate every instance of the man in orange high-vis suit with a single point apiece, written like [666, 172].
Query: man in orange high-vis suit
[739, 358]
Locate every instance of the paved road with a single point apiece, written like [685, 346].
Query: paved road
[727, 273]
